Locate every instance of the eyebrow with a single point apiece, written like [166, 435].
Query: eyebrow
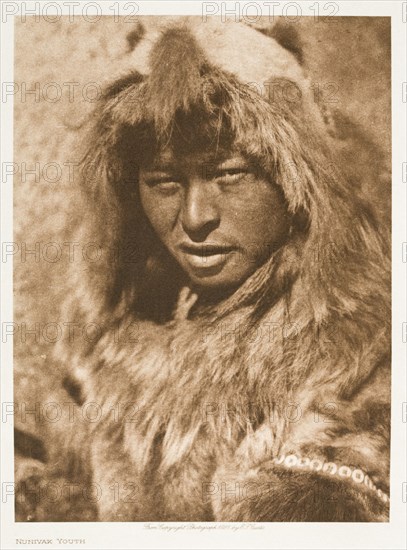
[161, 166]
[164, 165]
[234, 160]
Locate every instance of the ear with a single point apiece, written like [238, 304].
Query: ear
[134, 36]
[287, 35]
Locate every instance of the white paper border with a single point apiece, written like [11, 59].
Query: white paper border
[219, 535]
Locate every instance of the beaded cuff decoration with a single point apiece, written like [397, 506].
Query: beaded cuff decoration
[331, 468]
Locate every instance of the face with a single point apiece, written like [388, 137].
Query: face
[216, 215]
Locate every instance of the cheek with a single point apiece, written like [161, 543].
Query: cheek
[161, 211]
[259, 216]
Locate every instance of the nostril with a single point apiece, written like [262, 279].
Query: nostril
[201, 233]
[198, 222]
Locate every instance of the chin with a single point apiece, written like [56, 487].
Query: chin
[220, 281]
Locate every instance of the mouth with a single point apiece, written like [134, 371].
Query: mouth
[206, 256]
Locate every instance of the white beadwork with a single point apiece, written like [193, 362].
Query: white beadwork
[331, 468]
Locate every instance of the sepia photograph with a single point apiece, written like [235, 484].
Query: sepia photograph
[201, 261]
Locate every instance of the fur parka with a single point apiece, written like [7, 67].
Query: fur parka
[273, 403]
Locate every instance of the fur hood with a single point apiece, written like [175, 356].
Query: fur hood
[267, 107]
[295, 363]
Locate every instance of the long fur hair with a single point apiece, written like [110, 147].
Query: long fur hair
[328, 284]
[191, 104]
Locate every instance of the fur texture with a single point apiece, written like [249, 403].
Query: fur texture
[199, 398]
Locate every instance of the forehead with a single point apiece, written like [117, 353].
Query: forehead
[169, 158]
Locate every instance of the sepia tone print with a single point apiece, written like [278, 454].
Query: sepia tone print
[202, 270]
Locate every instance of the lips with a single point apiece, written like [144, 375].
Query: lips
[205, 256]
[205, 250]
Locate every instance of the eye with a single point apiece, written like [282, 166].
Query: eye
[231, 175]
[163, 184]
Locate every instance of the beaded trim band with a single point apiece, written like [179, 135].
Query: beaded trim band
[331, 468]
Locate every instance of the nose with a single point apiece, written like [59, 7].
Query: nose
[200, 212]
